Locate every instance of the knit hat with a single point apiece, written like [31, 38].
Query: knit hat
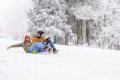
[27, 37]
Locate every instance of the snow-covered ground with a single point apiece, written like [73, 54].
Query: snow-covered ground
[71, 63]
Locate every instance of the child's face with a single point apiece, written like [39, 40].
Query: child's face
[27, 39]
[38, 35]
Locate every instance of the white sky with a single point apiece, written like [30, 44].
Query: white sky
[13, 18]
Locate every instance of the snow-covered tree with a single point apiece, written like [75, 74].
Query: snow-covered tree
[49, 16]
[100, 21]
[105, 19]
[109, 37]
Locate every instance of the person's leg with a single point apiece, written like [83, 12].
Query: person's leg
[51, 44]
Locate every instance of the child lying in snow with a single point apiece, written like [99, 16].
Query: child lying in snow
[31, 48]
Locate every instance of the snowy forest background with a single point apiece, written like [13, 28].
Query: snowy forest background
[81, 22]
[77, 22]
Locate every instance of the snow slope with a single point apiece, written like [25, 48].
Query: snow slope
[72, 63]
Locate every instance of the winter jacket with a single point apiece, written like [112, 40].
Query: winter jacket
[38, 47]
[25, 45]
[35, 39]
[42, 39]
[45, 39]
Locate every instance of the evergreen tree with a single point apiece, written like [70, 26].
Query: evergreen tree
[49, 16]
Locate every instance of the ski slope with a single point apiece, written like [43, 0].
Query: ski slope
[71, 63]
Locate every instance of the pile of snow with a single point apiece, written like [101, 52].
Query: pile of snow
[71, 63]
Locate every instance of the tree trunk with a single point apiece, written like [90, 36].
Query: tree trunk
[66, 39]
[79, 31]
[84, 31]
[87, 31]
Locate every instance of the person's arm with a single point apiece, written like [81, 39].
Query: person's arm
[15, 45]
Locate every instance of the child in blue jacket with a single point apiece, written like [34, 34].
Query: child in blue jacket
[39, 47]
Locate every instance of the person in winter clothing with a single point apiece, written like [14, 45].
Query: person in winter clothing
[49, 42]
[31, 48]
[40, 38]
[25, 44]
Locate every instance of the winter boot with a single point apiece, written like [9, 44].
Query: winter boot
[55, 50]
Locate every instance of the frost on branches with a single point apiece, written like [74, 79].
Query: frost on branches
[100, 18]
[105, 14]
[49, 16]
